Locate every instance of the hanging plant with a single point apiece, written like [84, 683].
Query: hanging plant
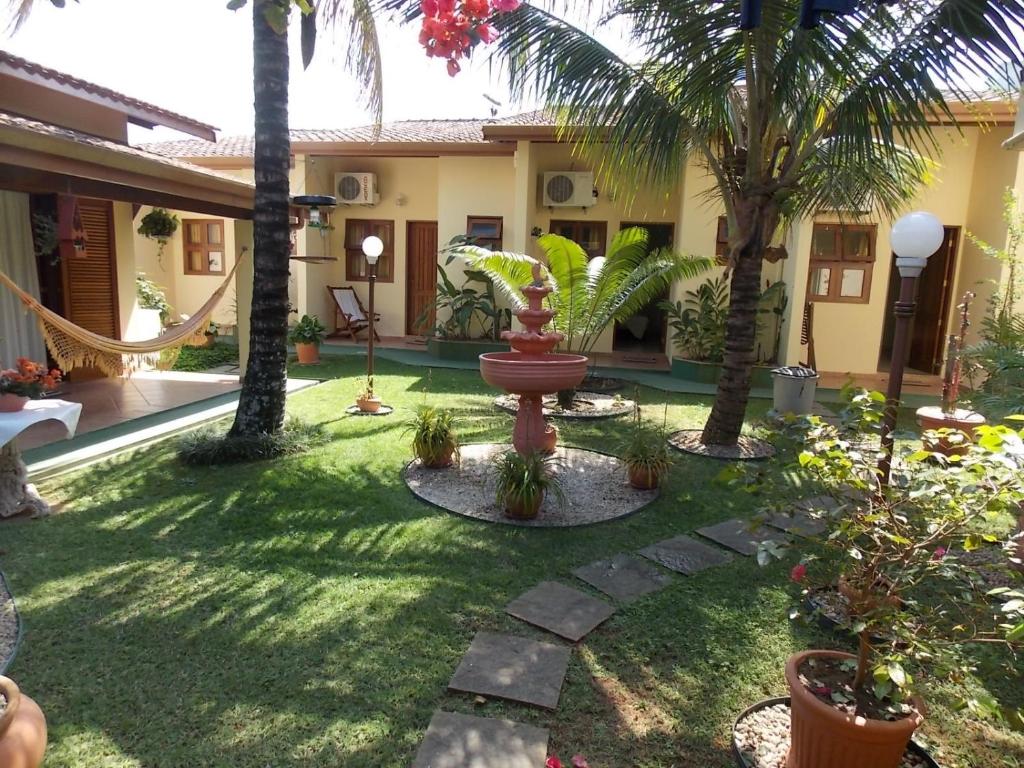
[160, 225]
[46, 236]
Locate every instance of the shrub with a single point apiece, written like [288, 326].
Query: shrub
[434, 441]
[213, 445]
[309, 330]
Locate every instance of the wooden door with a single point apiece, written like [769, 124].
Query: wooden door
[420, 276]
[934, 299]
[90, 276]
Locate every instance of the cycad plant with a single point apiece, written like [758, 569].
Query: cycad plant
[787, 115]
[588, 296]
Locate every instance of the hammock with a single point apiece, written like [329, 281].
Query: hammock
[74, 347]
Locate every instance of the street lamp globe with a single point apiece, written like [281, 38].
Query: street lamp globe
[914, 238]
[373, 247]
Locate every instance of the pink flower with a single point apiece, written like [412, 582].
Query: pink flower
[798, 573]
[579, 761]
[939, 553]
[487, 33]
[453, 70]
[553, 762]
[429, 7]
[505, 6]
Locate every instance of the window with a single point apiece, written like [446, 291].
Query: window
[591, 235]
[357, 230]
[485, 231]
[722, 239]
[204, 246]
[842, 258]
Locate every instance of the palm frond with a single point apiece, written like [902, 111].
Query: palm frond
[353, 25]
[567, 267]
[508, 271]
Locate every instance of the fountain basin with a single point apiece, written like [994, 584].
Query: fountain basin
[527, 375]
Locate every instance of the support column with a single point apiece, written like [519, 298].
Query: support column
[243, 290]
[525, 198]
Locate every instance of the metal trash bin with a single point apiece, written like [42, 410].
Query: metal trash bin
[794, 388]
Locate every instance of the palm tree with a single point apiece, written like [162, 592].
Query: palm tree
[589, 295]
[786, 120]
[261, 402]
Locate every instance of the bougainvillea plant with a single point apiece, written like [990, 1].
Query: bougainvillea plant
[452, 28]
[28, 379]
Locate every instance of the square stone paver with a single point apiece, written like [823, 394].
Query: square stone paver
[685, 555]
[513, 668]
[562, 610]
[798, 522]
[738, 535]
[623, 577]
[464, 741]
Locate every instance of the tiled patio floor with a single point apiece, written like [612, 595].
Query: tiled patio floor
[108, 402]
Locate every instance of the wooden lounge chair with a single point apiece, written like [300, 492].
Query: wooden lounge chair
[349, 315]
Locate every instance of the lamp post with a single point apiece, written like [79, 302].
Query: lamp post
[373, 247]
[914, 238]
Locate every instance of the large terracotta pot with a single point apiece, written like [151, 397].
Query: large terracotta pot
[308, 354]
[824, 737]
[368, 403]
[22, 729]
[11, 403]
[439, 460]
[643, 479]
[518, 509]
[931, 418]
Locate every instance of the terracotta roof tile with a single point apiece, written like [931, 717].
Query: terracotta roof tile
[60, 78]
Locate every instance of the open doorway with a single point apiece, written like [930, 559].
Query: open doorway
[934, 299]
[646, 332]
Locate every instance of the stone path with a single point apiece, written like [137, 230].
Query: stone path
[561, 610]
[513, 668]
[530, 672]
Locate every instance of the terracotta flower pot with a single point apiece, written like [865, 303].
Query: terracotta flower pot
[308, 354]
[643, 479]
[822, 735]
[932, 418]
[439, 460]
[518, 509]
[368, 403]
[22, 729]
[11, 403]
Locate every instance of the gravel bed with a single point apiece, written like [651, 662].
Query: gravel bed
[596, 488]
[746, 448]
[762, 738]
[8, 626]
[586, 405]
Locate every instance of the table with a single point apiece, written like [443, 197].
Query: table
[17, 495]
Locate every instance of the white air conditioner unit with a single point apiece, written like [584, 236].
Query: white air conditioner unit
[356, 188]
[569, 189]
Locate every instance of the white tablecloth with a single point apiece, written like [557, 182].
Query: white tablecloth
[35, 411]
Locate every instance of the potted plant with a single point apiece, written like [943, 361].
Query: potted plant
[523, 482]
[434, 441]
[912, 601]
[306, 335]
[367, 401]
[22, 728]
[152, 299]
[27, 381]
[160, 225]
[646, 456]
[212, 331]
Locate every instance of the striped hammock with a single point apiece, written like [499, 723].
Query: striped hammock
[75, 347]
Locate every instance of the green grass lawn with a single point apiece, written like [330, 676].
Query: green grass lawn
[309, 611]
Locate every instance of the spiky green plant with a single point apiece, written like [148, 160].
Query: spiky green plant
[526, 478]
[434, 439]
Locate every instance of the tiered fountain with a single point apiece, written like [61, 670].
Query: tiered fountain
[532, 370]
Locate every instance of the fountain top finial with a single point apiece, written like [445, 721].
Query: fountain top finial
[536, 274]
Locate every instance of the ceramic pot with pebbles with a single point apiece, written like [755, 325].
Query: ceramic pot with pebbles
[22, 728]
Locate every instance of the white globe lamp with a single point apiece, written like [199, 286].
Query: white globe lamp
[914, 238]
[373, 247]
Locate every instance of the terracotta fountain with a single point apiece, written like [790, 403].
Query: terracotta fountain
[532, 370]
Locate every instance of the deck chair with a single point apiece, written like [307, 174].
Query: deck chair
[349, 316]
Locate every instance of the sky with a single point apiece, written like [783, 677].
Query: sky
[195, 57]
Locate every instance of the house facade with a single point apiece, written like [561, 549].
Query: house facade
[72, 194]
[429, 181]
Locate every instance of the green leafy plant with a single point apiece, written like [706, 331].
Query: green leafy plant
[45, 236]
[308, 330]
[468, 312]
[152, 296]
[434, 441]
[646, 450]
[160, 225]
[525, 479]
[698, 322]
[899, 550]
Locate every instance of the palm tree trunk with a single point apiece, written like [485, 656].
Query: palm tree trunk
[262, 400]
[726, 420]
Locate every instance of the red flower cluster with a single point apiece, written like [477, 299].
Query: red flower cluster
[578, 761]
[28, 379]
[799, 573]
[451, 28]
